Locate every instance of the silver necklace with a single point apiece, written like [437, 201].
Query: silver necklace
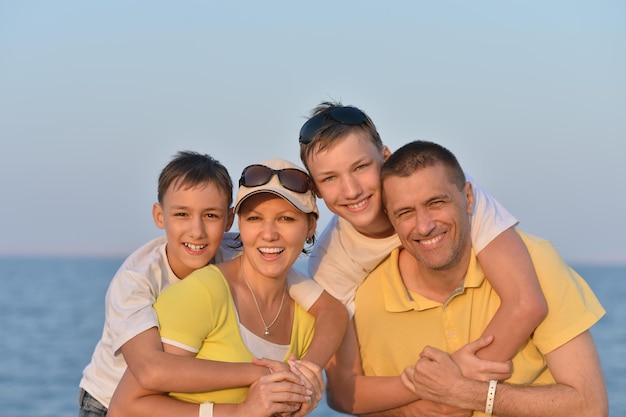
[258, 309]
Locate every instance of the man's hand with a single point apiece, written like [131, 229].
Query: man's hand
[435, 376]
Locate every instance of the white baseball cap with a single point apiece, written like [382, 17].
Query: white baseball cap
[281, 177]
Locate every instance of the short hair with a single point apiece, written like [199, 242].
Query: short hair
[332, 130]
[189, 169]
[421, 154]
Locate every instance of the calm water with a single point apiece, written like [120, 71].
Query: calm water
[52, 310]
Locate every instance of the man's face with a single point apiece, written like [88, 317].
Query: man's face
[347, 177]
[430, 215]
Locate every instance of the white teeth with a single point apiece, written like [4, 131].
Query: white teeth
[431, 241]
[357, 205]
[195, 247]
[271, 250]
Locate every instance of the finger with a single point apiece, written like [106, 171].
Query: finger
[407, 379]
[284, 408]
[287, 375]
[479, 343]
[272, 365]
[283, 392]
[433, 354]
[315, 381]
[311, 365]
[296, 371]
[312, 372]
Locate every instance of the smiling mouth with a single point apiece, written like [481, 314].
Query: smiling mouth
[358, 205]
[193, 247]
[271, 251]
[432, 241]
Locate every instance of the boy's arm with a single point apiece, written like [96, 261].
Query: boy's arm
[331, 317]
[579, 387]
[507, 265]
[132, 400]
[331, 321]
[349, 391]
[157, 370]
[134, 321]
[509, 268]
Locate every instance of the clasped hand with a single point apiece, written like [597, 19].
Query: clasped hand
[437, 375]
[290, 390]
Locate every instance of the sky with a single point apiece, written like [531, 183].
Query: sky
[96, 97]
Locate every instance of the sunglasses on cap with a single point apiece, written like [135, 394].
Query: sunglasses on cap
[290, 178]
[344, 115]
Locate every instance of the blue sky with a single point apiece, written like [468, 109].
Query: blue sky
[95, 97]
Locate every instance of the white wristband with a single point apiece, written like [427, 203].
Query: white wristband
[491, 396]
[206, 410]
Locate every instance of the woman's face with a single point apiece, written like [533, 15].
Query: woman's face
[273, 233]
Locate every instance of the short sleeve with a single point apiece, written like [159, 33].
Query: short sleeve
[188, 310]
[488, 219]
[129, 309]
[303, 289]
[572, 306]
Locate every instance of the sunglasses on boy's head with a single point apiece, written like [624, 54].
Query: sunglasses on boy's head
[290, 178]
[344, 115]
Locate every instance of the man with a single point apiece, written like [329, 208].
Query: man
[431, 296]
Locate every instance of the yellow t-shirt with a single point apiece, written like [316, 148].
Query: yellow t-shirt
[394, 325]
[198, 313]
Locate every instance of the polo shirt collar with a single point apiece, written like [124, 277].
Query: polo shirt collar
[397, 297]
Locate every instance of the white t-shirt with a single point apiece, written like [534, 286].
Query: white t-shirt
[128, 309]
[342, 257]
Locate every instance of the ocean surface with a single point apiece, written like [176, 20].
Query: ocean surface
[52, 311]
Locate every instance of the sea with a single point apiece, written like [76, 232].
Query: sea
[52, 312]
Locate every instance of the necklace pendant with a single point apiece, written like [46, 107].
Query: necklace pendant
[267, 331]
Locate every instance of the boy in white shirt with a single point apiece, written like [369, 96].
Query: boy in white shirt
[194, 209]
[344, 153]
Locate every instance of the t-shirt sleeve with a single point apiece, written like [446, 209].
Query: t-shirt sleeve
[303, 289]
[488, 219]
[572, 306]
[187, 310]
[334, 269]
[129, 309]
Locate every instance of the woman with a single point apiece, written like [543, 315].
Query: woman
[240, 309]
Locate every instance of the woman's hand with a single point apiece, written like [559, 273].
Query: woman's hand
[280, 392]
[311, 376]
[271, 365]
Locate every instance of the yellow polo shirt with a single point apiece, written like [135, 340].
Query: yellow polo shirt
[198, 314]
[394, 324]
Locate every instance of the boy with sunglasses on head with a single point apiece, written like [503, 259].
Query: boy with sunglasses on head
[344, 153]
[194, 209]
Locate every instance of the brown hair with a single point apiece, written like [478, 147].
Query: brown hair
[331, 130]
[189, 169]
[421, 154]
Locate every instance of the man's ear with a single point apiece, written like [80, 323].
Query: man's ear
[157, 215]
[468, 190]
[386, 153]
